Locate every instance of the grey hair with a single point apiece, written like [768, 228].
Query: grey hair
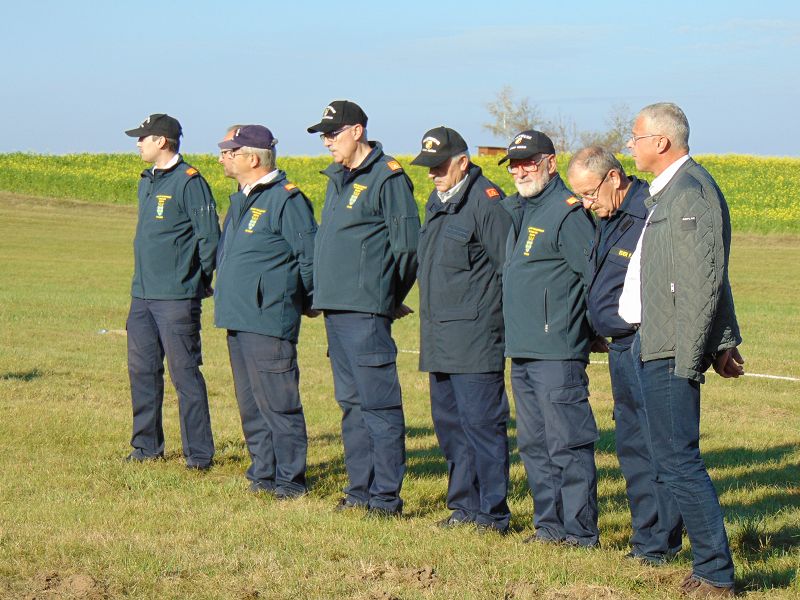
[595, 159]
[266, 156]
[668, 119]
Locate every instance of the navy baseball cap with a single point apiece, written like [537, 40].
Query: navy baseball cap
[528, 144]
[338, 114]
[252, 136]
[158, 124]
[439, 144]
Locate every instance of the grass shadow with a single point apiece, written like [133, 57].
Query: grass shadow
[34, 373]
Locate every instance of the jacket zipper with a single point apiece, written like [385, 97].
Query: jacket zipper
[546, 324]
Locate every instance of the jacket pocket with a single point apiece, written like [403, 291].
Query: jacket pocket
[185, 351]
[546, 322]
[574, 423]
[455, 249]
[279, 382]
[362, 265]
[459, 313]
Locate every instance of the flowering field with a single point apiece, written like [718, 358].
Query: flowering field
[759, 190]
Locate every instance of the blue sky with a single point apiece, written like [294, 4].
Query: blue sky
[77, 74]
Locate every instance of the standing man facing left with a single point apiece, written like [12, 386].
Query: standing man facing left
[264, 285]
[365, 263]
[461, 254]
[174, 257]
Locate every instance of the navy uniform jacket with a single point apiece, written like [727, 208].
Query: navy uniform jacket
[176, 238]
[461, 254]
[264, 278]
[365, 258]
[615, 241]
[545, 276]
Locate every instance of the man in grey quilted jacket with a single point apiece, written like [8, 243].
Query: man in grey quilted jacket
[677, 289]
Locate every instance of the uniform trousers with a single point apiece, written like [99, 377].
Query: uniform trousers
[655, 519]
[171, 328]
[363, 360]
[266, 378]
[556, 432]
[470, 418]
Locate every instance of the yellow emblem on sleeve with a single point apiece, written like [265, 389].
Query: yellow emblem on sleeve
[394, 165]
[572, 200]
[289, 187]
[191, 171]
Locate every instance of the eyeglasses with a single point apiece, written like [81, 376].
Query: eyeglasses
[332, 135]
[527, 167]
[231, 153]
[592, 198]
[636, 138]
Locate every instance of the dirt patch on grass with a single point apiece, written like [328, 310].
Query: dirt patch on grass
[585, 592]
[52, 586]
[387, 575]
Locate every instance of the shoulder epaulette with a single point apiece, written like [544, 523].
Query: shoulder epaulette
[394, 165]
[289, 187]
[572, 201]
[492, 193]
[191, 171]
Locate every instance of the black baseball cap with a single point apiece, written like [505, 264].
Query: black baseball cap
[527, 144]
[158, 124]
[252, 136]
[439, 144]
[338, 114]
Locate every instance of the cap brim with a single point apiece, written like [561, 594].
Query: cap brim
[504, 159]
[229, 145]
[428, 160]
[323, 127]
[138, 132]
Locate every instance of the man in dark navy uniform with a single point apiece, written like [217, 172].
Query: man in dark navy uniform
[461, 254]
[174, 257]
[548, 339]
[365, 263]
[264, 284]
[617, 200]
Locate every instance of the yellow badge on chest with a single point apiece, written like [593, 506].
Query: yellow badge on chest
[357, 189]
[162, 200]
[532, 233]
[255, 215]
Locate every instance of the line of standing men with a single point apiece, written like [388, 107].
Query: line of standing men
[498, 277]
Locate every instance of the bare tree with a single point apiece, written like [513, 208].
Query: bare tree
[510, 115]
[618, 130]
[563, 132]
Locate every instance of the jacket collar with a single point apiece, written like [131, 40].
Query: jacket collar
[454, 204]
[653, 200]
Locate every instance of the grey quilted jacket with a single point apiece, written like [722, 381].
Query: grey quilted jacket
[687, 304]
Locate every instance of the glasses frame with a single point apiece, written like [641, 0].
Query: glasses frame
[592, 198]
[332, 135]
[532, 168]
[636, 138]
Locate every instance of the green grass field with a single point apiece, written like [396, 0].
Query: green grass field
[78, 522]
[760, 191]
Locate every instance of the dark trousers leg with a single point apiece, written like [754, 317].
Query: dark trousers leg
[655, 519]
[556, 432]
[257, 434]
[672, 406]
[146, 373]
[178, 324]
[275, 379]
[367, 389]
[483, 413]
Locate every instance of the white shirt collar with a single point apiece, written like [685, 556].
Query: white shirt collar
[445, 196]
[172, 162]
[660, 182]
[265, 179]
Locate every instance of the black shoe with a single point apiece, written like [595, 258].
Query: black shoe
[140, 457]
[347, 504]
[537, 539]
[287, 495]
[256, 487]
[484, 528]
[201, 468]
[651, 561]
[451, 522]
[575, 543]
[375, 512]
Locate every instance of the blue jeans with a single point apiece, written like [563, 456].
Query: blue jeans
[470, 417]
[655, 519]
[363, 359]
[266, 378]
[672, 407]
[556, 432]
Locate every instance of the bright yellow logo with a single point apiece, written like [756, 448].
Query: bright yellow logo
[255, 215]
[625, 253]
[162, 199]
[532, 233]
[357, 189]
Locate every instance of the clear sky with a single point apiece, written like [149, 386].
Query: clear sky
[77, 74]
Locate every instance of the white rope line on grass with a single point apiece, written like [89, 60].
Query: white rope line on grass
[594, 362]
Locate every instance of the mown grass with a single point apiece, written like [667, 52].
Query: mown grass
[77, 522]
[759, 190]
